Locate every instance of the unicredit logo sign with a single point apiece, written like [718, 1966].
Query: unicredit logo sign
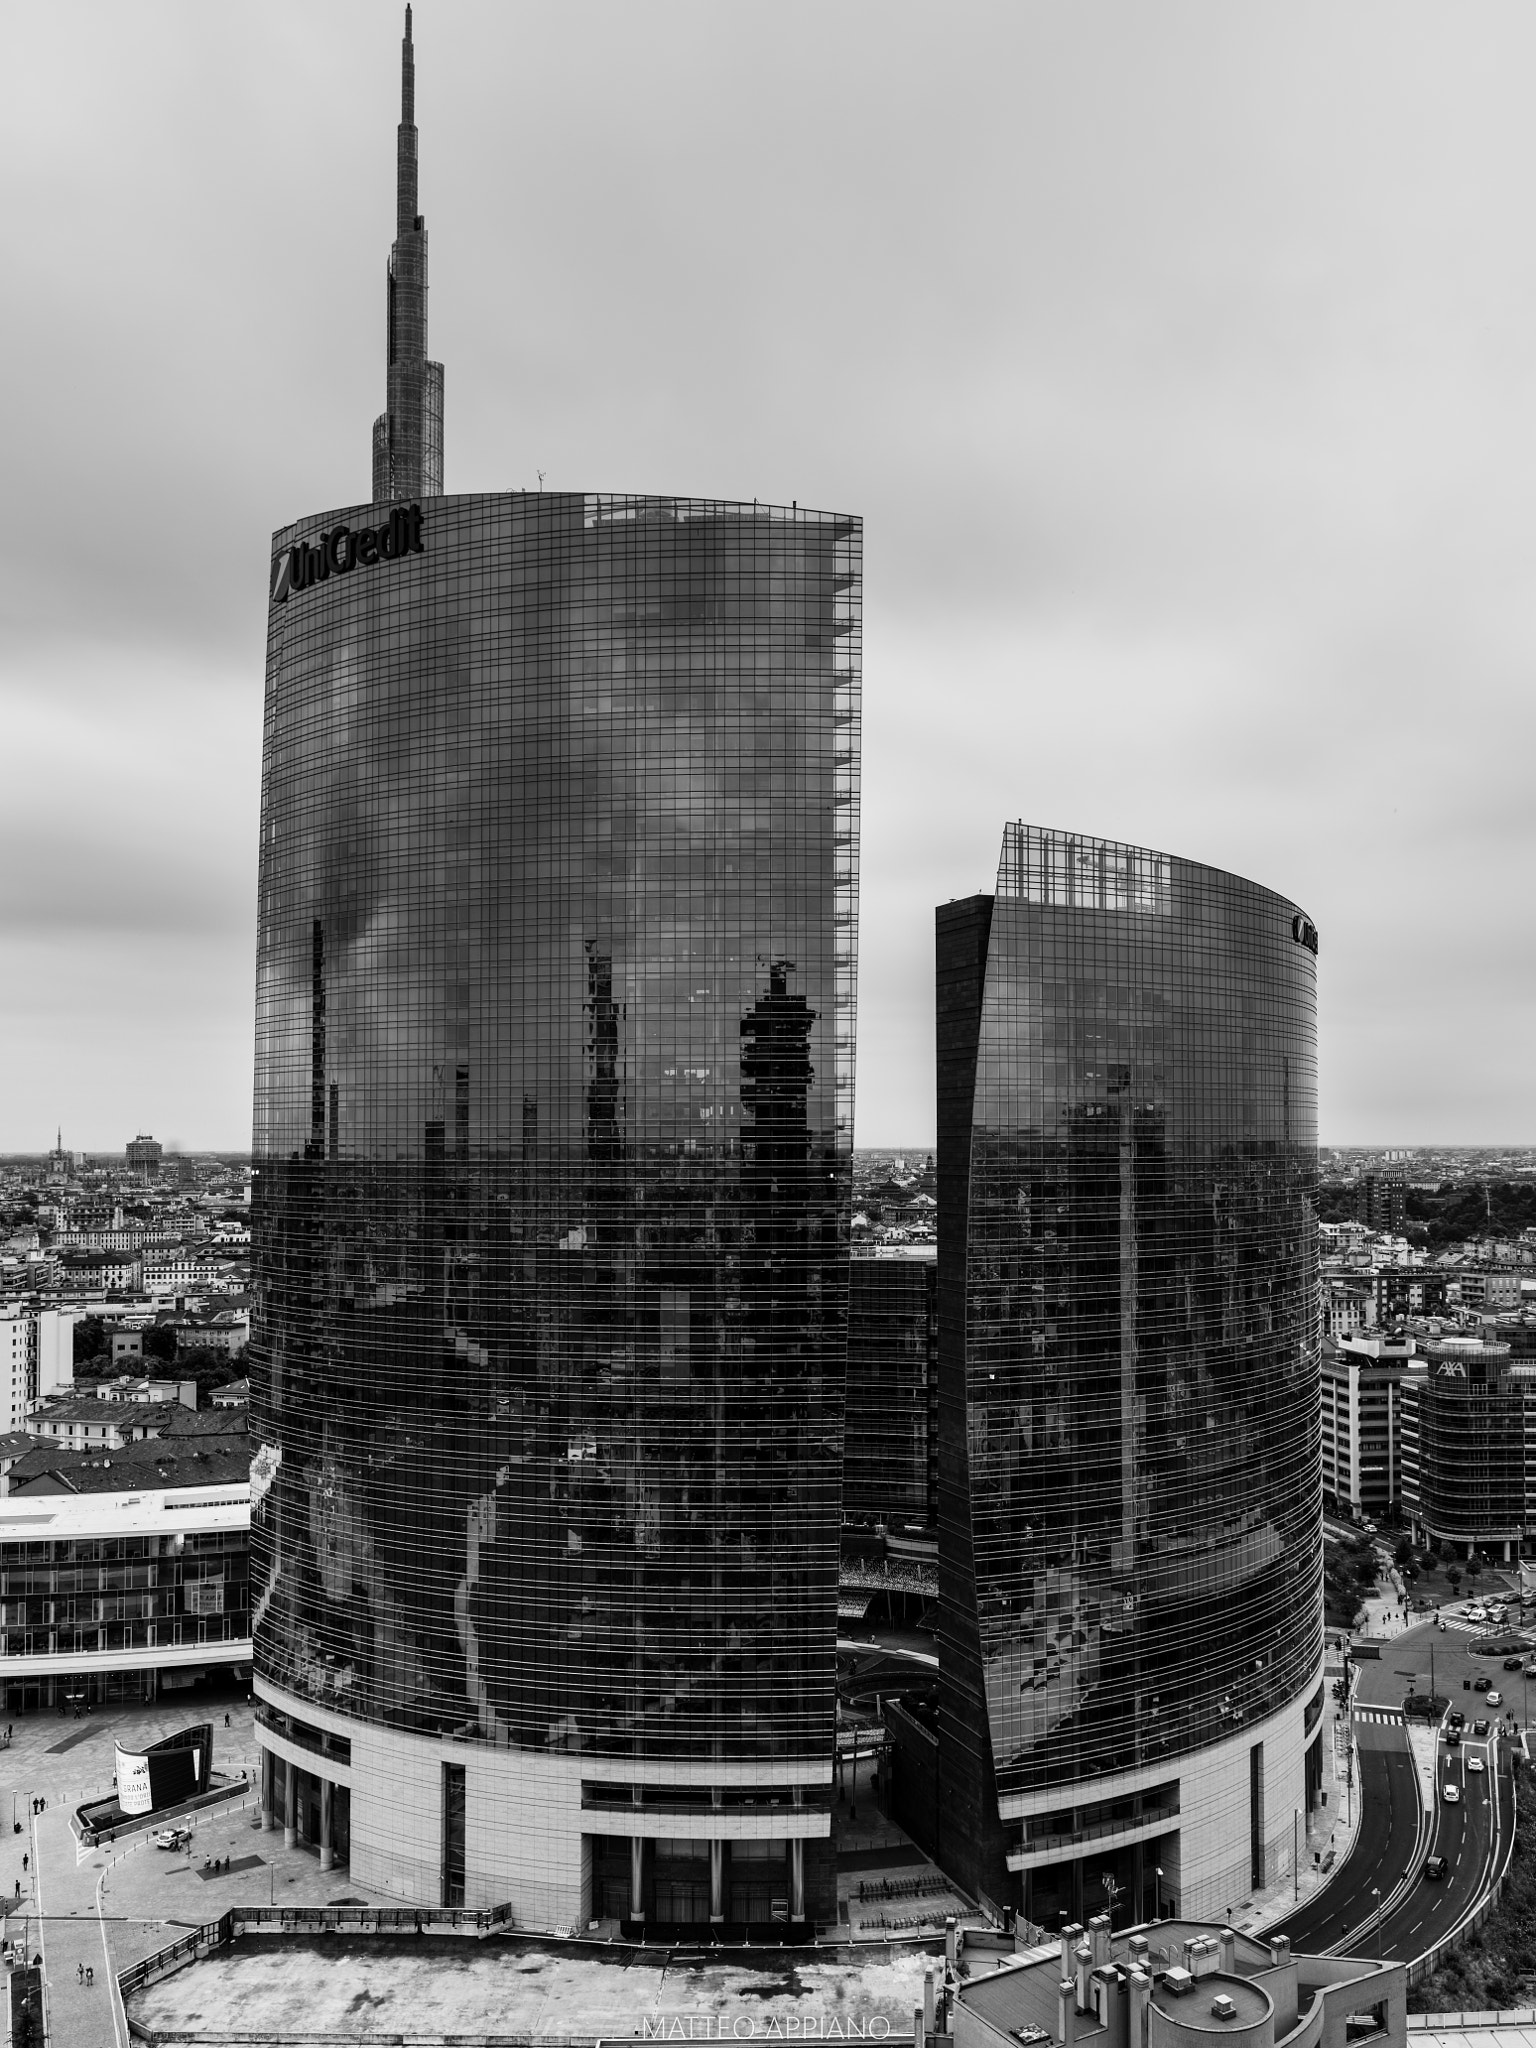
[1304, 932]
[344, 549]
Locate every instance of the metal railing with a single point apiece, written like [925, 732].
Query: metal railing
[215, 1934]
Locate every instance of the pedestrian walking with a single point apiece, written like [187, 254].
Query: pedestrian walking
[79, 1973]
[90, 1974]
[26, 1860]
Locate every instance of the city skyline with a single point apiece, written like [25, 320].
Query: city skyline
[1235, 458]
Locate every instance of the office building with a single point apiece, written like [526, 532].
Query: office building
[554, 1115]
[1464, 1411]
[1361, 1437]
[890, 1451]
[1130, 1559]
[125, 1574]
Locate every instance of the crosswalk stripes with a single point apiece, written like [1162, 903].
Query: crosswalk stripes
[1391, 1714]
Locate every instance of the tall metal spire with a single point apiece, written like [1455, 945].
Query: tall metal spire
[408, 434]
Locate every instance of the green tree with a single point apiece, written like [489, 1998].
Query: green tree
[1453, 1578]
[1474, 1566]
[91, 1340]
[160, 1343]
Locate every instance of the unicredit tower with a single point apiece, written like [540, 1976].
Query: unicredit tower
[553, 1128]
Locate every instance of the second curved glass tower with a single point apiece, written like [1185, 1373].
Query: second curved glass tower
[1130, 1526]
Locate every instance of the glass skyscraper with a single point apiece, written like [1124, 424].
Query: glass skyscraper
[554, 1115]
[1129, 1503]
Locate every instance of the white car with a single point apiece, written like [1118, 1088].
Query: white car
[1476, 1614]
[1495, 1699]
[1476, 1765]
[173, 1838]
[1452, 1796]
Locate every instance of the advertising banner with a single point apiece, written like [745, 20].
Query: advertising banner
[133, 1793]
[203, 1596]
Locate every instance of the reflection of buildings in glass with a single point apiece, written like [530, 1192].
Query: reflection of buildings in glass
[555, 1025]
[1129, 1537]
[890, 1442]
[1464, 1412]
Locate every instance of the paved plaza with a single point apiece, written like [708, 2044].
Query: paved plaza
[104, 1908]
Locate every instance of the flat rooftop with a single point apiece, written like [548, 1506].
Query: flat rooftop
[279, 1988]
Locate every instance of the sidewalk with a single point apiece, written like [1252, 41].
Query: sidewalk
[872, 1851]
[1330, 1832]
[1384, 1618]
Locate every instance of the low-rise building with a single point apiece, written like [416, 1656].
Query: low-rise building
[223, 1335]
[87, 1423]
[126, 1574]
[1179, 1984]
[1486, 1287]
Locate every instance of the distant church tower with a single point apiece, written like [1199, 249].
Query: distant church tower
[408, 434]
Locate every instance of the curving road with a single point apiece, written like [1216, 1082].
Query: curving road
[1389, 1844]
[1395, 1837]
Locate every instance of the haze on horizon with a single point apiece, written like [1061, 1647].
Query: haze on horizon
[1179, 360]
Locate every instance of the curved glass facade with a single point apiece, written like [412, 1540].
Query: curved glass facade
[1468, 1416]
[554, 1109]
[1129, 1465]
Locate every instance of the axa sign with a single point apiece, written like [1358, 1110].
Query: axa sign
[1304, 932]
[345, 548]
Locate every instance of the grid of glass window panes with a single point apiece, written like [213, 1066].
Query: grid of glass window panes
[1471, 1413]
[889, 1444]
[554, 1114]
[1141, 1311]
[84, 1595]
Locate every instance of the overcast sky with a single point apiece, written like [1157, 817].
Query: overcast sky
[1180, 359]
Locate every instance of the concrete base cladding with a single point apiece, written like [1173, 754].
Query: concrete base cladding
[535, 1828]
[1227, 1826]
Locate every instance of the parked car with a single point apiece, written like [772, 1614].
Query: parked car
[1434, 1866]
[173, 1838]
[1452, 1796]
